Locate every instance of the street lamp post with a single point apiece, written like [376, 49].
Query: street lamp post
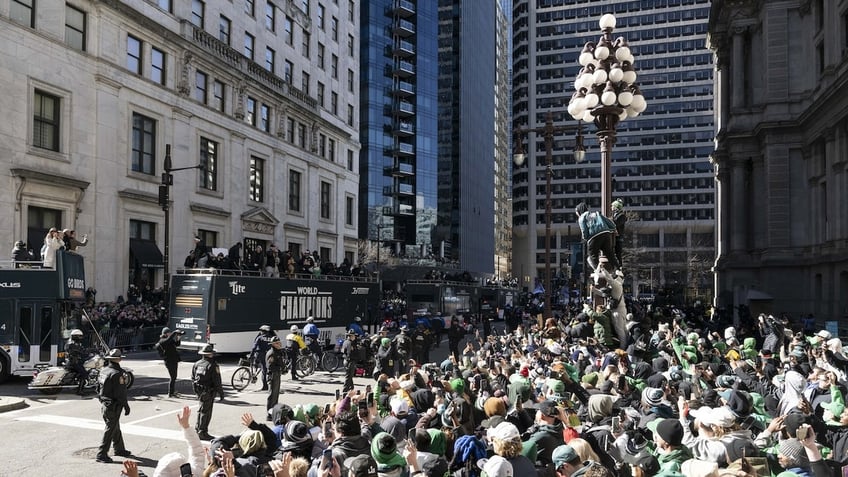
[165, 203]
[606, 93]
[547, 131]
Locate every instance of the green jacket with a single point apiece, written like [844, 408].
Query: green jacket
[602, 327]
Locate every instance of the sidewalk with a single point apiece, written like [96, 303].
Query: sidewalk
[11, 403]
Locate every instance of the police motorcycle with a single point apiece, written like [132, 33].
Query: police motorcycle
[53, 379]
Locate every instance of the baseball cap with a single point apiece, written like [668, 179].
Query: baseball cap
[505, 431]
[496, 466]
[399, 407]
[719, 416]
[362, 465]
[548, 408]
[563, 455]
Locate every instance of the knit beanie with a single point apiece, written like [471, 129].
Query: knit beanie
[458, 386]
[494, 407]
[793, 450]
[384, 451]
[438, 442]
[251, 442]
[652, 396]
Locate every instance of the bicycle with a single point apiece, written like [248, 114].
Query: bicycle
[247, 373]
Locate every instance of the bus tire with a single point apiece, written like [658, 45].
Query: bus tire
[4, 368]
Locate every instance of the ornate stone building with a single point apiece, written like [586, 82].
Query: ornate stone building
[263, 94]
[781, 158]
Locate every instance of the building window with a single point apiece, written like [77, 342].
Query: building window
[325, 200]
[334, 102]
[218, 90]
[157, 65]
[142, 230]
[301, 134]
[265, 118]
[349, 210]
[143, 144]
[134, 54]
[209, 161]
[257, 179]
[22, 12]
[290, 130]
[289, 31]
[350, 10]
[250, 115]
[334, 28]
[322, 145]
[334, 67]
[198, 13]
[304, 5]
[287, 74]
[270, 54]
[350, 115]
[306, 38]
[350, 46]
[45, 122]
[75, 27]
[250, 7]
[349, 160]
[320, 94]
[270, 17]
[248, 45]
[350, 80]
[224, 26]
[209, 237]
[165, 5]
[294, 191]
[320, 16]
[321, 55]
[304, 83]
[331, 150]
[200, 86]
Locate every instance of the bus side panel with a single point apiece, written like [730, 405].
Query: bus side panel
[191, 304]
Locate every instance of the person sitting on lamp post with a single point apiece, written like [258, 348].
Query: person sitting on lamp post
[598, 232]
[620, 220]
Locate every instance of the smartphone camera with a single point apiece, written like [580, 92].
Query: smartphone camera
[185, 470]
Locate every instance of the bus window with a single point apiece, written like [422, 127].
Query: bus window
[46, 333]
[24, 334]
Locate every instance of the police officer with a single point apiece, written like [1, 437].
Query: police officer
[75, 352]
[113, 400]
[356, 326]
[311, 334]
[261, 345]
[167, 348]
[294, 343]
[274, 361]
[352, 352]
[206, 380]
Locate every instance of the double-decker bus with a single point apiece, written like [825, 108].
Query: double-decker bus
[36, 306]
[495, 299]
[442, 297]
[215, 306]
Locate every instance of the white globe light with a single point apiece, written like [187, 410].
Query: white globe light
[579, 106]
[616, 74]
[587, 116]
[591, 100]
[625, 98]
[602, 52]
[622, 53]
[586, 80]
[623, 115]
[638, 104]
[585, 58]
[631, 113]
[607, 21]
[577, 117]
[599, 77]
[630, 59]
[608, 98]
[595, 63]
[629, 77]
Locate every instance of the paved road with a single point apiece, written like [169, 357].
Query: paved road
[59, 435]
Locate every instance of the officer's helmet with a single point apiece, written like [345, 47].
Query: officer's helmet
[76, 335]
[295, 329]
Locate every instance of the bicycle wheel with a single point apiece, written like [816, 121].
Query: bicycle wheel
[330, 361]
[305, 365]
[241, 378]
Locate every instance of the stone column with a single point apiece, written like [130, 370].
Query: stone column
[739, 209]
[737, 67]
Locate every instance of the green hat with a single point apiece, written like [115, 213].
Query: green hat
[438, 441]
[458, 385]
[591, 378]
[311, 410]
[384, 451]
[385, 341]
[563, 455]
[556, 386]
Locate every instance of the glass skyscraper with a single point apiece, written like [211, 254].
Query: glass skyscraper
[660, 163]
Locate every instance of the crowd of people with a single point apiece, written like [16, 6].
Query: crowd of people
[683, 395]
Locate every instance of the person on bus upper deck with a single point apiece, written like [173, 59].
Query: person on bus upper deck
[261, 345]
[75, 352]
[20, 253]
[295, 344]
[356, 326]
[167, 348]
[52, 243]
[69, 237]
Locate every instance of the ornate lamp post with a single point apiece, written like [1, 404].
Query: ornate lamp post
[606, 93]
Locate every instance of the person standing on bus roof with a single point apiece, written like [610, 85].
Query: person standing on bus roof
[356, 326]
[261, 345]
[274, 361]
[167, 348]
[294, 344]
[206, 381]
[113, 400]
[52, 243]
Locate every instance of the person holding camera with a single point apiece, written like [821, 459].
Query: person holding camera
[167, 348]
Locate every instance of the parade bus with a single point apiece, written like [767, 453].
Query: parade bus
[215, 306]
[495, 299]
[445, 298]
[36, 307]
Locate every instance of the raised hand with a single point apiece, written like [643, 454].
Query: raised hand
[247, 419]
[183, 417]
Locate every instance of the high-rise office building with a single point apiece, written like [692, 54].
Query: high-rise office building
[430, 130]
[660, 163]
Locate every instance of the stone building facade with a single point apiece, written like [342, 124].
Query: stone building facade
[781, 158]
[263, 94]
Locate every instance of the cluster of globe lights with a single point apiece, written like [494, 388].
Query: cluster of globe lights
[606, 83]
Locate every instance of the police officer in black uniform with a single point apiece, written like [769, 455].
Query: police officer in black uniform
[75, 352]
[274, 361]
[261, 345]
[206, 380]
[167, 348]
[352, 352]
[113, 400]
